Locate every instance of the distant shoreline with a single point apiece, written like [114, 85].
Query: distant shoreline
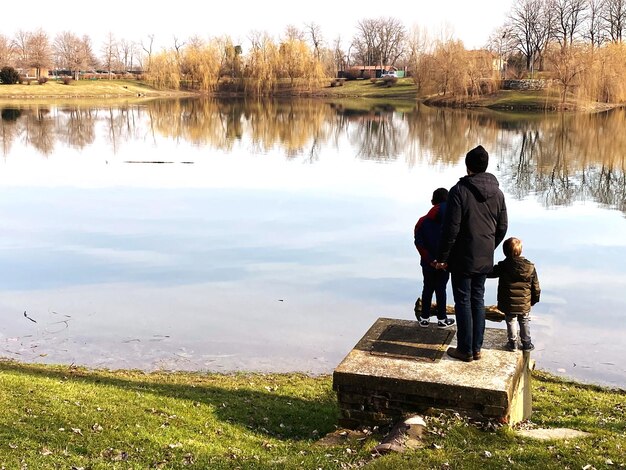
[404, 90]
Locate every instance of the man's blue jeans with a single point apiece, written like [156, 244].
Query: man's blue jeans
[469, 309]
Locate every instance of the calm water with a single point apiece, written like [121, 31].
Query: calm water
[199, 235]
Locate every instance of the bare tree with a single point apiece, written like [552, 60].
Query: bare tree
[502, 42]
[178, 45]
[568, 67]
[315, 36]
[147, 47]
[39, 51]
[293, 34]
[594, 28]
[569, 16]
[72, 53]
[109, 53]
[379, 41]
[6, 51]
[614, 15]
[339, 56]
[127, 51]
[544, 33]
[392, 35]
[419, 45]
[531, 26]
[365, 43]
[20, 49]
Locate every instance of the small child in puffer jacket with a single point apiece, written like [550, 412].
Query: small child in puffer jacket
[518, 290]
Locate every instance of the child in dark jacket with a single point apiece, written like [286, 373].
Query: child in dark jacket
[518, 290]
[427, 233]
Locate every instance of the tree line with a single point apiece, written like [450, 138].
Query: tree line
[578, 43]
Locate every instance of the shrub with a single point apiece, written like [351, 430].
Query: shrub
[66, 80]
[42, 80]
[9, 76]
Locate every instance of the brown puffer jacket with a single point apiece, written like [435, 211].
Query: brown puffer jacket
[518, 285]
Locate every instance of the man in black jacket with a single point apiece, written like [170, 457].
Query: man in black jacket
[475, 223]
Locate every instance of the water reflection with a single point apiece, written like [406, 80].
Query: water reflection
[272, 234]
[562, 158]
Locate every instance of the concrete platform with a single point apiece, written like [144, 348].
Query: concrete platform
[399, 368]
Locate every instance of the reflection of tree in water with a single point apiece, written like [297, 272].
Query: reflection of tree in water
[9, 128]
[560, 158]
[569, 158]
[295, 126]
[299, 127]
[78, 128]
[39, 130]
[376, 131]
[10, 114]
[441, 135]
[122, 124]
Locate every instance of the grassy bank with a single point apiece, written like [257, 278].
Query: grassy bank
[56, 89]
[67, 417]
[402, 91]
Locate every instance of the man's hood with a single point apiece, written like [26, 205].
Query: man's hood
[482, 185]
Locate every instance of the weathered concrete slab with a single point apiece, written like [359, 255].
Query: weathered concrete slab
[399, 367]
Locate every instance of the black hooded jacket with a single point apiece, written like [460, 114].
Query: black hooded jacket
[475, 224]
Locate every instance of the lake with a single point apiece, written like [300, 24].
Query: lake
[269, 236]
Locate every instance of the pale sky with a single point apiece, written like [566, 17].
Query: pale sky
[471, 22]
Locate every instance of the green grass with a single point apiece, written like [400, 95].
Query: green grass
[68, 417]
[404, 89]
[79, 89]
[403, 92]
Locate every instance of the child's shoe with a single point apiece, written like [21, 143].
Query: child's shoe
[511, 345]
[528, 346]
[424, 322]
[443, 324]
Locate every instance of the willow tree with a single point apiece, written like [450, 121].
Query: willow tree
[164, 72]
[202, 63]
[610, 67]
[293, 56]
[262, 65]
[450, 61]
[230, 57]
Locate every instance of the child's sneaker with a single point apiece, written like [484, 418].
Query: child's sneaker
[448, 322]
[528, 346]
[424, 322]
[511, 345]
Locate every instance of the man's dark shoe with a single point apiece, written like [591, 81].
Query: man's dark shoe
[477, 355]
[452, 352]
[528, 346]
[511, 346]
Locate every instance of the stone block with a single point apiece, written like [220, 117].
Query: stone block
[399, 368]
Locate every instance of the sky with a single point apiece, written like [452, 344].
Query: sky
[134, 20]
